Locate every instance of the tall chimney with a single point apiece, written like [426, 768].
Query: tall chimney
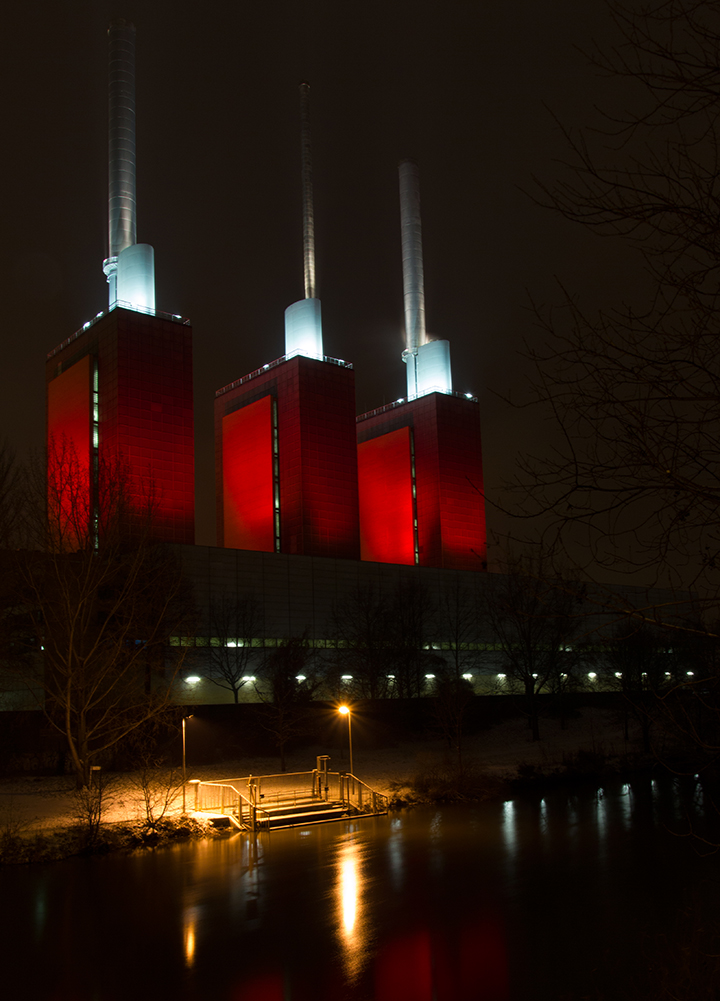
[303, 319]
[427, 361]
[122, 224]
[130, 266]
[412, 258]
[307, 194]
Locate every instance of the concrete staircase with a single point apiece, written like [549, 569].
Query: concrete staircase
[295, 812]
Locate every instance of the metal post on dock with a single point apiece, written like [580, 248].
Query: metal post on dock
[252, 797]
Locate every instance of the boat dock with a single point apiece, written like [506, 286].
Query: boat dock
[289, 799]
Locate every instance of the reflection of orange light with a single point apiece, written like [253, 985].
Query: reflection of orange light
[351, 926]
[190, 945]
[349, 891]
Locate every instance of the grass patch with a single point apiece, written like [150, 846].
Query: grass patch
[443, 781]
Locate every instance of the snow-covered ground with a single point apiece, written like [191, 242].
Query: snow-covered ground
[45, 803]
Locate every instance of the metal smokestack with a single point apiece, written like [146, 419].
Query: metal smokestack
[130, 266]
[413, 278]
[122, 225]
[303, 320]
[427, 361]
[307, 194]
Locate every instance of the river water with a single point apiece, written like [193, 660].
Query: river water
[540, 897]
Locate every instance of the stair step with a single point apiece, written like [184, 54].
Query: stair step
[309, 806]
[312, 817]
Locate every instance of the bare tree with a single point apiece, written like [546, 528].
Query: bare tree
[634, 389]
[362, 627]
[534, 618]
[289, 683]
[453, 697]
[12, 489]
[103, 600]
[412, 620]
[458, 622]
[234, 625]
[638, 662]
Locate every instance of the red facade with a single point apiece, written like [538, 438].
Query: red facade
[69, 431]
[450, 502]
[248, 484]
[144, 413]
[387, 508]
[316, 495]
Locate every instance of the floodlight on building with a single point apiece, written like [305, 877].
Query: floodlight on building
[192, 679]
[467, 677]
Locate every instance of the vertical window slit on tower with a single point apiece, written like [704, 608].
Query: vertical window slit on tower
[276, 475]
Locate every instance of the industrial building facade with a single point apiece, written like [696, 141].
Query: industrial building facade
[120, 398]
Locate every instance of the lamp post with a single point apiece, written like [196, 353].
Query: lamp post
[184, 721]
[345, 711]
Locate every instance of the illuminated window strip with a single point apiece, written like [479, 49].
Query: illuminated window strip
[276, 474]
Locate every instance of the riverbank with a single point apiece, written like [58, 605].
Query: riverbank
[46, 811]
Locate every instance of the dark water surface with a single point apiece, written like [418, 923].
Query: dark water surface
[537, 898]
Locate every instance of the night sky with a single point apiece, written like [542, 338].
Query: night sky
[460, 86]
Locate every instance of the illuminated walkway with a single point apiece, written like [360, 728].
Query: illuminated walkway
[290, 799]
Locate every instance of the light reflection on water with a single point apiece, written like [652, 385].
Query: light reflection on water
[350, 907]
[451, 904]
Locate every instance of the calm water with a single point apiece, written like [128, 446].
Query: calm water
[533, 899]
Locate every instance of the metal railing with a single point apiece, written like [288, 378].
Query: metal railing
[274, 364]
[175, 317]
[265, 792]
[409, 399]
[358, 794]
[221, 797]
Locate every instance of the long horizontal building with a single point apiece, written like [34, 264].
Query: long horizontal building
[321, 601]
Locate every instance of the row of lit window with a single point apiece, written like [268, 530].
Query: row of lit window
[330, 644]
[193, 679]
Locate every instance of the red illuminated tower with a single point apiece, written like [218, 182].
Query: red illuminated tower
[286, 460]
[419, 460]
[120, 394]
[286, 454]
[420, 483]
[119, 391]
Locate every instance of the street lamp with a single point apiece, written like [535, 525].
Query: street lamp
[184, 721]
[345, 711]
